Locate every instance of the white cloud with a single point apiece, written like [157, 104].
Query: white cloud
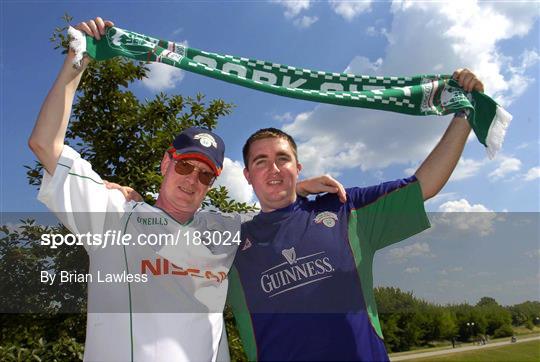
[425, 37]
[528, 59]
[364, 138]
[233, 179]
[466, 168]
[293, 7]
[519, 81]
[522, 146]
[401, 254]
[371, 31]
[412, 270]
[322, 155]
[472, 38]
[305, 21]
[506, 165]
[534, 254]
[350, 9]
[462, 205]
[461, 216]
[532, 174]
[441, 197]
[410, 170]
[451, 270]
[285, 117]
[162, 76]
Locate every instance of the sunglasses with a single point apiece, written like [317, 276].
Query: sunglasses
[185, 168]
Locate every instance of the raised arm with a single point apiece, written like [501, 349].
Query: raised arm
[47, 138]
[441, 162]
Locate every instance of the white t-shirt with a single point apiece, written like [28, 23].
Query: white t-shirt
[171, 308]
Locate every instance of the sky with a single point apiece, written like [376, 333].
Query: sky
[499, 41]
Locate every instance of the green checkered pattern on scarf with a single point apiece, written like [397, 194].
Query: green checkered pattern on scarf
[416, 95]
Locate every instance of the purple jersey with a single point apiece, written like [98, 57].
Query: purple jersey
[302, 284]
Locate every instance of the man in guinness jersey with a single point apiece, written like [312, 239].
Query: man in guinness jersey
[301, 285]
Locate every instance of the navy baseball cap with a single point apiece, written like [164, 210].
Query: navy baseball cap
[201, 144]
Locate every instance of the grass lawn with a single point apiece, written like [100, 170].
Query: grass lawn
[525, 333]
[520, 352]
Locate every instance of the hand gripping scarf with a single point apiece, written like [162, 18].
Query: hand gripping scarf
[417, 95]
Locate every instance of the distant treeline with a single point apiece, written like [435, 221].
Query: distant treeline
[408, 321]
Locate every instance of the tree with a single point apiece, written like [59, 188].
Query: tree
[399, 312]
[487, 302]
[440, 324]
[125, 140]
[496, 317]
[447, 324]
[525, 312]
[503, 331]
[391, 332]
[40, 332]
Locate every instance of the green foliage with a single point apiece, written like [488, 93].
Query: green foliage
[218, 197]
[42, 337]
[22, 259]
[407, 321]
[487, 302]
[496, 317]
[529, 325]
[400, 314]
[437, 323]
[525, 312]
[42, 333]
[236, 349]
[503, 331]
[391, 332]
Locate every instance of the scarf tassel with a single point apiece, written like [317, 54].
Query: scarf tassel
[497, 131]
[78, 45]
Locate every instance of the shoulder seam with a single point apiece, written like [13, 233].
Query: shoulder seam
[386, 193]
[84, 177]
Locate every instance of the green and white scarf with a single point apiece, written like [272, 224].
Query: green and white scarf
[416, 95]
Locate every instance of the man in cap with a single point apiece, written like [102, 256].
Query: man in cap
[140, 305]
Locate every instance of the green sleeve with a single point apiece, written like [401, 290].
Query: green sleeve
[391, 218]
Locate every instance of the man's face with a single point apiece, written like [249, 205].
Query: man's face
[272, 170]
[184, 192]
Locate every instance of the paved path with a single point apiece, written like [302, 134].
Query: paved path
[459, 349]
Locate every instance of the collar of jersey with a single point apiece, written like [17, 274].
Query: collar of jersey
[178, 222]
[283, 213]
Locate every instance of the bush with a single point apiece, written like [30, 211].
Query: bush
[27, 337]
[503, 331]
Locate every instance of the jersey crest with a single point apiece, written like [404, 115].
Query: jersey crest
[327, 218]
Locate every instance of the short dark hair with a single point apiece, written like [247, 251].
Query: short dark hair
[268, 133]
